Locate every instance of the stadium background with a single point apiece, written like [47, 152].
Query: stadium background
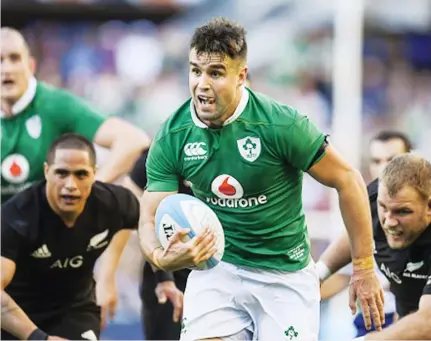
[129, 58]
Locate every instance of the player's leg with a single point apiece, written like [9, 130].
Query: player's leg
[211, 310]
[285, 305]
[78, 323]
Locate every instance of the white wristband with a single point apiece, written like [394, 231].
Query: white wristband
[322, 270]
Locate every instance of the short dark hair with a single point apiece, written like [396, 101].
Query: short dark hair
[220, 35]
[71, 141]
[407, 170]
[387, 135]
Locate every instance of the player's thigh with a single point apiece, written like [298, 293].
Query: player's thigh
[210, 306]
[290, 304]
[78, 324]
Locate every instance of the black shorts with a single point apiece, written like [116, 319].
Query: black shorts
[79, 322]
[157, 318]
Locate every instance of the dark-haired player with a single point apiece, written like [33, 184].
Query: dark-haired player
[52, 233]
[245, 155]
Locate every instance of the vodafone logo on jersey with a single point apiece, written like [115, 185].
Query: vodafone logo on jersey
[230, 193]
[15, 169]
[227, 187]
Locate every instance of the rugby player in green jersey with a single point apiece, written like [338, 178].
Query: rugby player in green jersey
[34, 114]
[245, 155]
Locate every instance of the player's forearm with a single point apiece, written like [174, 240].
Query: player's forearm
[111, 257]
[13, 319]
[355, 209]
[148, 241]
[123, 154]
[337, 254]
[416, 326]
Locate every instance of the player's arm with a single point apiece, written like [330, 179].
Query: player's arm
[333, 286]
[306, 148]
[13, 319]
[111, 256]
[127, 206]
[333, 171]
[125, 141]
[336, 256]
[136, 183]
[416, 326]
[147, 234]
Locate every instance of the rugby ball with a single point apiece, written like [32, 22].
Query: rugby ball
[186, 211]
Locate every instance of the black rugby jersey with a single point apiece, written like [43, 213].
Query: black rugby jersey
[54, 263]
[408, 270]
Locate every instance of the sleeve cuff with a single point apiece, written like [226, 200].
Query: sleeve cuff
[162, 276]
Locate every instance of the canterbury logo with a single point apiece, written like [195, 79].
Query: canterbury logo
[195, 149]
[41, 252]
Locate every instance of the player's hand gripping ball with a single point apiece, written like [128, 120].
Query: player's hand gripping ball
[186, 211]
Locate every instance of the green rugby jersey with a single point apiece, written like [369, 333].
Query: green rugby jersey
[249, 172]
[45, 113]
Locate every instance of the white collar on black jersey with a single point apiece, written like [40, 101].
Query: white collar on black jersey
[239, 109]
[25, 99]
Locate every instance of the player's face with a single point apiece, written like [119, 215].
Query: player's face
[215, 83]
[382, 152]
[69, 180]
[16, 68]
[403, 216]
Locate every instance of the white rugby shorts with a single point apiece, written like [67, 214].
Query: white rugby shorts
[231, 300]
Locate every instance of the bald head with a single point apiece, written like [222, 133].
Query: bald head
[10, 34]
[17, 67]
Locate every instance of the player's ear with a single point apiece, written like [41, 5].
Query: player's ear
[243, 69]
[45, 169]
[32, 65]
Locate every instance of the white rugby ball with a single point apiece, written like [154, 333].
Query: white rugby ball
[186, 211]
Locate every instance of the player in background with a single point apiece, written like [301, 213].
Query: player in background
[400, 201]
[382, 149]
[52, 233]
[245, 155]
[34, 114]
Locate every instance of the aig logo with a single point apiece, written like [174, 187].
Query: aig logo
[195, 151]
[73, 262]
